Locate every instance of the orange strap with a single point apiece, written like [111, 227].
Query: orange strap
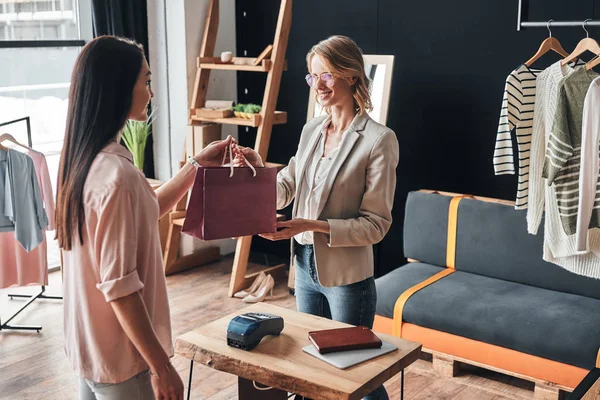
[450, 259]
[598, 359]
[399, 306]
[452, 227]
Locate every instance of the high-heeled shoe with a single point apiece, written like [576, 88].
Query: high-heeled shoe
[260, 294]
[253, 288]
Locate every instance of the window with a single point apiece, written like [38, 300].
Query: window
[39, 43]
[40, 20]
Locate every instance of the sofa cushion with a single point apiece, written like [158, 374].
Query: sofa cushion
[492, 240]
[558, 326]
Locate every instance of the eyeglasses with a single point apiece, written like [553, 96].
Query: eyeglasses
[327, 78]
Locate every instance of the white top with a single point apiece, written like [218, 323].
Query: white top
[587, 216]
[548, 82]
[517, 112]
[559, 248]
[316, 172]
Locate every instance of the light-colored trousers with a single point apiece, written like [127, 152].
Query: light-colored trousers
[137, 388]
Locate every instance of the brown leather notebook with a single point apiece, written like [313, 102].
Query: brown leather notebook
[342, 339]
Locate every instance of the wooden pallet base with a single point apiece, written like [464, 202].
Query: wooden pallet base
[445, 366]
[448, 366]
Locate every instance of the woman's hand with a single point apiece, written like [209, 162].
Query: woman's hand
[212, 155]
[290, 229]
[249, 154]
[169, 386]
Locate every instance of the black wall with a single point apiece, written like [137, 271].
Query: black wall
[451, 62]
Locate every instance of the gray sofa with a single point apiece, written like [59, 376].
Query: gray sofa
[502, 293]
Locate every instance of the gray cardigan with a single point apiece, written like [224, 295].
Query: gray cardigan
[21, 206]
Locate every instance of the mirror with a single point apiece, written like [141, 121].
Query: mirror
[379, 69]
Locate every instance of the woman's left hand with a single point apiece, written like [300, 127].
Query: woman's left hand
[212, 155]
[290, 229]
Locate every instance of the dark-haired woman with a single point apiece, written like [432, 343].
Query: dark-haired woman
[116, 313]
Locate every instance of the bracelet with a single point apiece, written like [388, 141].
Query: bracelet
[167, 366]
[192, 161]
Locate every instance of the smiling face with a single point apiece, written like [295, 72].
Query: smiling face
[142, 93]
[332, 89]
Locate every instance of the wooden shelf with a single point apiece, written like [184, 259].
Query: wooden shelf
[275, 165]
[238, 64]
[280, 118]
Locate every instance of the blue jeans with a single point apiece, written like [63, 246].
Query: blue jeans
[353, 304]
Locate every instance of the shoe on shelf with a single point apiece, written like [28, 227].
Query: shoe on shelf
[266, 287]
[253, 288]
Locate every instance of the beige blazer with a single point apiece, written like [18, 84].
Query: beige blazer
[357, 198]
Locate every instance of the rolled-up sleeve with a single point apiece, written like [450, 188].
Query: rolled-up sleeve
[117, 245]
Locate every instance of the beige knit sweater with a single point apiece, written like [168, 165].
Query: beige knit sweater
[559, 248]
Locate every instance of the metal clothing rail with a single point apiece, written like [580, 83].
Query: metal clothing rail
[523, 14]
[32, 297]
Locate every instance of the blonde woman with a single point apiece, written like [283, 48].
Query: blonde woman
[342, 181]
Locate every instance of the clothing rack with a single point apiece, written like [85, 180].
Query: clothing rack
[32, 297]
[523, 14]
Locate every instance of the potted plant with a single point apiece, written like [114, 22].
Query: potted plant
[251, 109]
[246, 110]
[238, 109]
[135, 135]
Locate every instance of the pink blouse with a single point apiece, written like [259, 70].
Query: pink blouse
[17, 266]
[120, 255]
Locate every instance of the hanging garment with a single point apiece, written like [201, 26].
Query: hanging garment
[22, 208]
[588, 213]
[548, 83]
[559, 248]
[17, 266]
[517, 112]
[563, 152]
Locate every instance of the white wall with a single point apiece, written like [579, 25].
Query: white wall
[175, 36]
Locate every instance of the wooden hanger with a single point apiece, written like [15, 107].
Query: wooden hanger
[592, 63]
[587, 44]
[8, 137]
[548, 44]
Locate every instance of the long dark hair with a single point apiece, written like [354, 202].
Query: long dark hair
[100, 99]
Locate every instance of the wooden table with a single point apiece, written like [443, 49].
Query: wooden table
[589, 388]
[280, 363]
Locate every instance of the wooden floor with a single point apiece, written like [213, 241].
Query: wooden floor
[33, 366]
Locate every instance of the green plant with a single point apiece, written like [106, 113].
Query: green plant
[247, 108]
[252, 108]
[135, 135]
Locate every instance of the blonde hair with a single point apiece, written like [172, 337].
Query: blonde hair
[345, 58]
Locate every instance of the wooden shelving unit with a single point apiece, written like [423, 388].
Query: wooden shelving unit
[264, 121]
[279, 118]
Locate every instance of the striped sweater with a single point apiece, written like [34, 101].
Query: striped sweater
[559, 248]
[563, 151]
[516, 112]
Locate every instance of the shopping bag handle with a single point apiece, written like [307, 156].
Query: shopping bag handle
[231, 162]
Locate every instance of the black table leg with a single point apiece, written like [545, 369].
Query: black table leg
[190, 381]
[402, 385]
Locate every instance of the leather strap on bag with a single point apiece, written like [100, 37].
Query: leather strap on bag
[598, 359]
[450, 263]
